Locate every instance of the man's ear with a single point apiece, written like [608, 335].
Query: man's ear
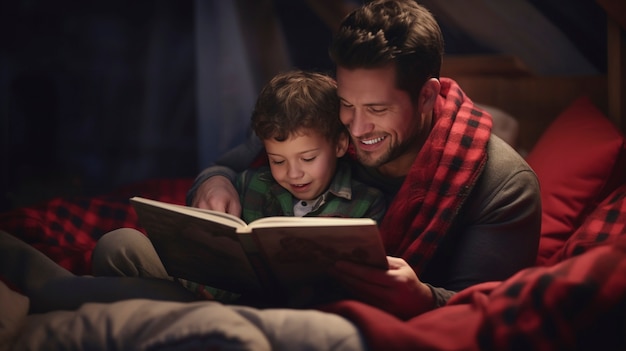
[428, 95]
[342, 144]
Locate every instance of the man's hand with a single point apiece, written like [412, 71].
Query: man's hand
[218, 193]
[397, 290]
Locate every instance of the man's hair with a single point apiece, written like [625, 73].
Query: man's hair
[391, 31]
[297, 102]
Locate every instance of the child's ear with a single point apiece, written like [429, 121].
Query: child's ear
[342, 144]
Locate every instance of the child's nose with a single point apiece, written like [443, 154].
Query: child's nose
[294, 171]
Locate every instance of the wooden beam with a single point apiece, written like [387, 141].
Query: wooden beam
[535, 101]
[484, 65]
[616, 60]
[616, 76]
[615, 10]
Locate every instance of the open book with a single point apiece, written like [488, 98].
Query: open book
[273, 255]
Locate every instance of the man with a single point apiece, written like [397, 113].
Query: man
[464, 207]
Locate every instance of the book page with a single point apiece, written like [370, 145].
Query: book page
[282, 221]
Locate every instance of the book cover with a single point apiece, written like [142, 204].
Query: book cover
[279, 254]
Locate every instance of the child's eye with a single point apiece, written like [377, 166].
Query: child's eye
[274, 162]
[309, 159]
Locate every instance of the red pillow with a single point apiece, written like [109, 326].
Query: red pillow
[604, 226]
[575, 160]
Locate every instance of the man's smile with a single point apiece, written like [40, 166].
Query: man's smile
[373, 141]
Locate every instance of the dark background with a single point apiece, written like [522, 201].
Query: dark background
[98, 94]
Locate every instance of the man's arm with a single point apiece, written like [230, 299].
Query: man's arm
[213, 187]
[498, 228]
[497, 231]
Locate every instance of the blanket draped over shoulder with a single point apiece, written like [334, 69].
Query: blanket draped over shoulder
[439, 180]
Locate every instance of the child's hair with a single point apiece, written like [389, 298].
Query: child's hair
[295, 102]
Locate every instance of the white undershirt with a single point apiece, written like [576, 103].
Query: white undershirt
[301, 207]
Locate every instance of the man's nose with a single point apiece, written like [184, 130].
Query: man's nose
[359, 124]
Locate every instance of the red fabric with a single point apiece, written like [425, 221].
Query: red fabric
[66, 229]
[577, 304]
[574, 160]
[605, 224]
[447, 328]
[439, 180]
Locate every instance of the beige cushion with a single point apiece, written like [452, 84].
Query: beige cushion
[157, 325]
[13, 312]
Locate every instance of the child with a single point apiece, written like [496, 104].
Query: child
[296, 118]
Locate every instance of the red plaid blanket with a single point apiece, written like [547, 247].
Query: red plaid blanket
[66, 229]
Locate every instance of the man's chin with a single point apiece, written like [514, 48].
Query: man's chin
[369, 160]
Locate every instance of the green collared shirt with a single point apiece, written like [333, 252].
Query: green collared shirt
[261, 196]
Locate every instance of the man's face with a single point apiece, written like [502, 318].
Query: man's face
[304, 164]
[384, 124]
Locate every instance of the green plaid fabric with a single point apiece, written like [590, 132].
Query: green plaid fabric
[261, 196]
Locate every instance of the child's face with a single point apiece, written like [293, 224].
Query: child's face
[304, 164]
